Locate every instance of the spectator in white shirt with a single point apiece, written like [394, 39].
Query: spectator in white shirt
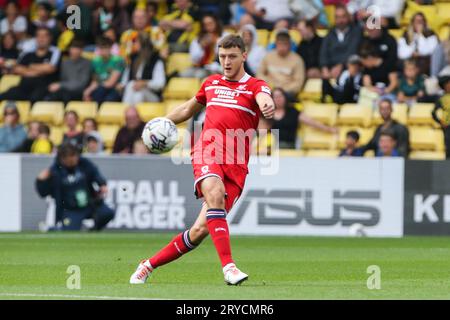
[13, 21]
[418, 42]
[389, 9]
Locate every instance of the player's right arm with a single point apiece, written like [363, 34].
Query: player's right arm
[185, 111]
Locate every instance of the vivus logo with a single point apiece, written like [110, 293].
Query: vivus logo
[294, 206]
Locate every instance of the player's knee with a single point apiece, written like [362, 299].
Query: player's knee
[198, 233]
[215, 195]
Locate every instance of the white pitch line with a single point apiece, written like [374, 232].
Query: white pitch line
[37, 295]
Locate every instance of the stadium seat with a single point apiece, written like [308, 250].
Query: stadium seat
[111, 113]
[295, 36]
[443, 10]
[444, 33]
[299, 106]
[56, 135]
[399, 113]
[430, 11]
[150, 110]
[312, 90]
[291, 153]
[181, 88]
[178, 62]
[84, 109]
[426, 138]
[50, 112]
[369, 154]
[427, 155]
[316, 139]
[24, 110]
[324, 112]
[314, 153]
[365, 134]
[8, 81]
[420, 114]
[352, 114]
[108, 133]
[263, 37]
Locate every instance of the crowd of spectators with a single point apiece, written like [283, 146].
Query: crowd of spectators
[129, 43]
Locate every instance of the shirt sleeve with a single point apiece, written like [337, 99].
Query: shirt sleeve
[261, 86]
[201, 94]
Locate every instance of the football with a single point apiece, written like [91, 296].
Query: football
[160, 135]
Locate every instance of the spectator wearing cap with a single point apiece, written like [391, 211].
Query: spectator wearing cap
[348, 84]
[93, 144]
[12, 134]
[37, 68]
[75, 75]
[255, 52]
[129, 133]
[309, 47]
[351, 145]
[107, 69]
[341, 42]
[282, 67]
[387, 145]
[443, 103]
[399, 131]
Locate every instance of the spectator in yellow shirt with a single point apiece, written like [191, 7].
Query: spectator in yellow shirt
[42, 144]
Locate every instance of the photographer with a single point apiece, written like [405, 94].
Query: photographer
[78, 189]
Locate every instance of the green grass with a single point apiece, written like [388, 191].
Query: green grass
[34, 265]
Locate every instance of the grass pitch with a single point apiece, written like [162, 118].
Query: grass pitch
[34, 266]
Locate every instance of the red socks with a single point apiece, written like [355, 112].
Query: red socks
[218, 229]
[179, 245]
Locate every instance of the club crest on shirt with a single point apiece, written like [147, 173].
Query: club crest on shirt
[242, 87]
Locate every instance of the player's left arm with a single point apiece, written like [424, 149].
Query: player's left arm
[265, 104]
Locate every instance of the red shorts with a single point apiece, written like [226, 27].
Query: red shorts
[232, 176]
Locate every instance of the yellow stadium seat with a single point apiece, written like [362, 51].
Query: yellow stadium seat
[352, 114]
[111, 113]
[150, 110]
[369, 154]
[325, 112]
[263, 37]
[56, 135]
[396, 33]
[434, 19]
[443, 10]
[444, 32]
[50, 112]
[84, 109]
[420, 114]
[316, 139]
[8, 81]
[291, 153]
[178, 61]
[108, 133]
[427, 155]
[365, 134]
[322, 153]
[181, 88]
[295, 36]
[312, 90]
[299, 106]
[399, 113]
[329, 11]
[22, 106]
[426, 138]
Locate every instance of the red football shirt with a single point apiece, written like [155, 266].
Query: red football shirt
[231, 119]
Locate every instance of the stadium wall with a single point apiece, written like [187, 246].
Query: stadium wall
[288, 196]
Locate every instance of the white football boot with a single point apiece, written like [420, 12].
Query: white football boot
[233, 276]
[143, 271]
